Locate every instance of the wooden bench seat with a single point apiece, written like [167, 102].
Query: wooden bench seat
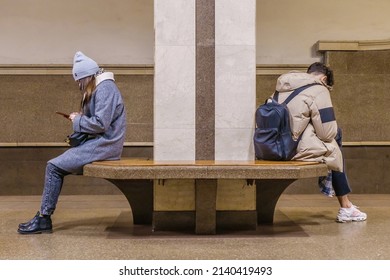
[134, 177]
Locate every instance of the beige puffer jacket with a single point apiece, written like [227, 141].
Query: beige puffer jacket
[312, 115]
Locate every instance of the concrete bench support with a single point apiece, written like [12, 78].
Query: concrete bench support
[134, 177]
[139, 194]
[268, 192]
[205, 206]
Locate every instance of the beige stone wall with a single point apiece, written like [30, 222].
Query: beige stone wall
[121, 31]
[50, 32]
[287, 30]
[22, 168]
[28, 105]
[361, 93]
[22, 171]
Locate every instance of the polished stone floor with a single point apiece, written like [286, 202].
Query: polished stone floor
[100, 227]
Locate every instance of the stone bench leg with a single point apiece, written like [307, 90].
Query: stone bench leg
[139, 194]
[205, 206]
[267, 195]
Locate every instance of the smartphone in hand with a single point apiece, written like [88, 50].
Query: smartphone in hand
[63, 114]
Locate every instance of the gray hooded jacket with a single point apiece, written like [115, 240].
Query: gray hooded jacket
[105, 117]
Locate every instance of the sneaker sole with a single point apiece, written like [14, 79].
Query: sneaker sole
[351, 220]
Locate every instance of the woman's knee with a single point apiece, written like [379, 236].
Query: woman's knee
[53, 169]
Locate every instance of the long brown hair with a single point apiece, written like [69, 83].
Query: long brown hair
[87, 87]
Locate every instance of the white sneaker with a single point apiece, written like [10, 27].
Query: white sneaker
[352, 214]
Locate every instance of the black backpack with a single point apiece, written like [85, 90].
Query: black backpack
[273, 139]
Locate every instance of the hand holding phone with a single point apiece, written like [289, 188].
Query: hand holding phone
[63, 114]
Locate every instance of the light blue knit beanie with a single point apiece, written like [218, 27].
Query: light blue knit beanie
[83, 66]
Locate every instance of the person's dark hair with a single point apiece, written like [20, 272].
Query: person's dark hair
[320, 68]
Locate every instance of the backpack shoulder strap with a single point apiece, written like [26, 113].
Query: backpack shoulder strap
[297, 91]
[276, 96]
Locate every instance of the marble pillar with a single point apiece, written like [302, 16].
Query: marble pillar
[235, 78]
[174, 82]
[205, 79]
[204, 105]
[174, 109]
[235, 96]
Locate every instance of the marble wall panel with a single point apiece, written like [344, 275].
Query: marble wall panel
[174, 103]
[235, 22]
[235, 86]
[174, 144]
[174, 96]
[235, 79]
[174, 80]
[174, 22]
[234, 144]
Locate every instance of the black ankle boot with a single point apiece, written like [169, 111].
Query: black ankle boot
[38, 224]
[29, 222]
